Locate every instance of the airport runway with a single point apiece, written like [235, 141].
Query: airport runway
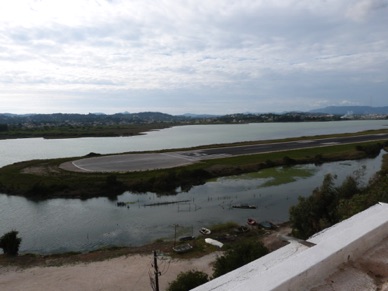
[152, 161]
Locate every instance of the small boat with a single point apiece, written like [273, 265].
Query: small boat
[267, 225]
[205, 231]
[251, 221]
[214, 242]
[180, 249]
[244, 206]
[241, 229]
[186, 238]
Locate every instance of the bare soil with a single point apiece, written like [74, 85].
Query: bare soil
[112, 269]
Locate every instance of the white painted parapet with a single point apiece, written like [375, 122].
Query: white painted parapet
[297, 267]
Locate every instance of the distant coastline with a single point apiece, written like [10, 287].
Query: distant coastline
[63, 125]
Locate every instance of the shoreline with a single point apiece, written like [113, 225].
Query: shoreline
[114, 269]
[27, 259]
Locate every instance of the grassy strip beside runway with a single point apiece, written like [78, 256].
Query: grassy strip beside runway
[44, 179]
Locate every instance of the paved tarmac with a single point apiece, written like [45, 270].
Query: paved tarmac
[152, 161]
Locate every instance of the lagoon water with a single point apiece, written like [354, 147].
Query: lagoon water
[16, 150]
[60, 225]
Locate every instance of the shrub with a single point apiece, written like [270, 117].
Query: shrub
[9, 242]
[318, 159]
[287, 161]
[371, 150]
[188, 280]
[237, 256]
[329, 205]
[315, 212]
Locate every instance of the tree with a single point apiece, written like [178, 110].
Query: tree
[287, 161]
[328, 205]
[349, 188]
[237, 256]
[3, 127]
[9, 242]
[188, 280]
[315, 212]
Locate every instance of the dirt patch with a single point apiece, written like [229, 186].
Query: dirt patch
[40, 170]
[271, 238]
[132, 272]
[32, 260]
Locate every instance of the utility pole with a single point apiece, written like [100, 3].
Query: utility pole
[175, 226]
[156, 271]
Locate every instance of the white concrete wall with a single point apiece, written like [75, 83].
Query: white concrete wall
[298, 268]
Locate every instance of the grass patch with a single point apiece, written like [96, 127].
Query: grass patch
[222, 227]
[283, 175]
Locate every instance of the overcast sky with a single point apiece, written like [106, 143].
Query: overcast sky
[197, 56]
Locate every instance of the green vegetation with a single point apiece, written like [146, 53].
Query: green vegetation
[375, 191]
[224, 232]
[279, 176]
[188, 280]
[65, 131]
[315, 212]
[240, 249]
[10, 243]
[44, 179]
[238, 255]
[222, 227]
[329, 205]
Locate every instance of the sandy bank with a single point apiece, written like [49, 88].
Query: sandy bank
[123, 273]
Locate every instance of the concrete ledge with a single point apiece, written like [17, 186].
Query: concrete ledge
[300, 268]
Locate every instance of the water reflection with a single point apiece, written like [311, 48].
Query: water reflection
[60, 225]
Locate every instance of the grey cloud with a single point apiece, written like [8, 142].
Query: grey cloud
[203, 54]
[362, 9]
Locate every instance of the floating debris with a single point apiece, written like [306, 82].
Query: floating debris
[166, 203]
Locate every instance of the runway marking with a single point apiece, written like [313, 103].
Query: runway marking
[181, 156]
[81, 168]
[215, 156]
[331, 143]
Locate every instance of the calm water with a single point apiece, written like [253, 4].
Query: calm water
[60, 225]
[17, 150]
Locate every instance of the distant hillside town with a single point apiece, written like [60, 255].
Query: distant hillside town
[8, 120]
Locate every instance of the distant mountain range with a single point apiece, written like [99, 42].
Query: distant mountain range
[357, 110]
